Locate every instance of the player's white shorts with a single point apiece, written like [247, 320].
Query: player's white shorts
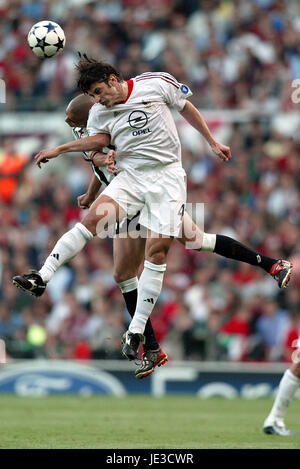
[130, 226]
[159, 193]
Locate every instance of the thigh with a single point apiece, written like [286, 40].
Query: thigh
[103, 213]
[165, 201]
[126, 192]
[129, 253]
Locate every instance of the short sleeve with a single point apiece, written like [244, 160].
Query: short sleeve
[174, 93]
[96, 124]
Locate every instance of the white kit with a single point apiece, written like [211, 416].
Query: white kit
[148, 150]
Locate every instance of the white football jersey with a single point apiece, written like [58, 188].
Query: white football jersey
[142, 128]
[100, 171]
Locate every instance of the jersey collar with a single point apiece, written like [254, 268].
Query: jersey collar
[130, 87]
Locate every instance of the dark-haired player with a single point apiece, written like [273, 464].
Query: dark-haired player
[124, 247]
[136, 115]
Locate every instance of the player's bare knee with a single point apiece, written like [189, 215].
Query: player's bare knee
[157, 250]
[103, 213]
[97, 223]
[123, 275]
[158, 256]
[295, 367]
[90, 222]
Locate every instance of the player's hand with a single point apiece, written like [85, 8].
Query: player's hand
[45, 155]
[222, 151]
[110, 162]
[98, 158]
[85, 200]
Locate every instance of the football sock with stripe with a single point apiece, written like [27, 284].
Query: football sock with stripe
[232, 249]
[70, 244]
[149, 288]
[129, 291]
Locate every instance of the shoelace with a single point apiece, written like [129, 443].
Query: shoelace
[145, 362]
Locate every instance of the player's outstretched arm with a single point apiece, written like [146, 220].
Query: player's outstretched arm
[96, 142]
[195, 119]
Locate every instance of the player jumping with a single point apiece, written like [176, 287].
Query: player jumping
[136, 113]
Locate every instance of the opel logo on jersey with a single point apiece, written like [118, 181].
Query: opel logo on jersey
[138, 119]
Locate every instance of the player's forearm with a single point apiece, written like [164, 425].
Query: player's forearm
[195, 119]
[94, 186]
[97, 142]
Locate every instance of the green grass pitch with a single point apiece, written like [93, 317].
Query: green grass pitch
[182, 422]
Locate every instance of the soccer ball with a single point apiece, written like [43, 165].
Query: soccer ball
[46, 39]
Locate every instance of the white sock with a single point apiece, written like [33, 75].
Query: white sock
[287, 388]
[70, 244]
[129, 285]
[149, 288]
[208, 243]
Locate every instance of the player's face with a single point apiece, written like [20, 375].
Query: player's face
[106, 94]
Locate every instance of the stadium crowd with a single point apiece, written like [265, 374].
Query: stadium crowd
[242, 55]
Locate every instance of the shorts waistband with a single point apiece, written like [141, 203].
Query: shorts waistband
[158, 166]
[176, 164]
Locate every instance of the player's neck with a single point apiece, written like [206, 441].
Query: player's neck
[123, 92]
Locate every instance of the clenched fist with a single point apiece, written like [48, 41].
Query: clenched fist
[222, 151]
[85, 200]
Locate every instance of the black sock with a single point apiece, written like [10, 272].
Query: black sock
[131, 300]
[232, 249]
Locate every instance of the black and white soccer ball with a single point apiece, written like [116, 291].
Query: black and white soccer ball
[46, 39]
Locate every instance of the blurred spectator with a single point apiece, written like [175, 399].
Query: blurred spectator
[290, 343]
[234, 333]
[12, 165]
[18, 346]
[272, 327]
[241, 54]
[9, 322]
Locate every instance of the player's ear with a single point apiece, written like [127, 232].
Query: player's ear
[112, 79]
